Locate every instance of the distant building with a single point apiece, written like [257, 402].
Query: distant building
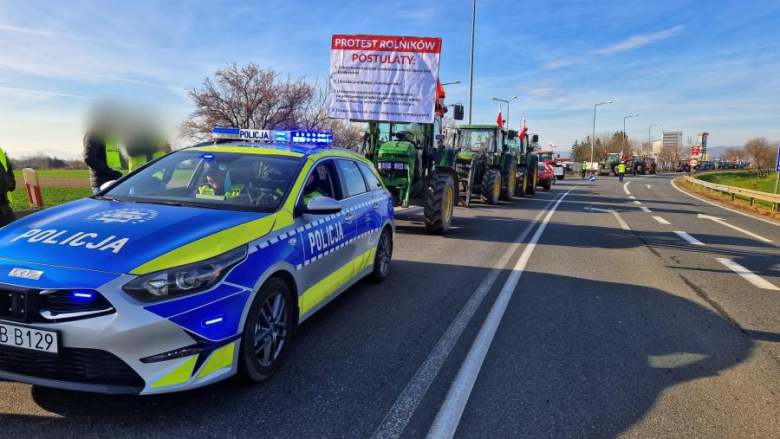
[672, 140]
[658, 146]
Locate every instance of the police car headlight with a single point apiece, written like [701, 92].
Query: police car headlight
[187, 279]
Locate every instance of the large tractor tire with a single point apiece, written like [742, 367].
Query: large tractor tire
[510, 177]
[534, 176]
[439, 203]
[522, 188]
[491, 186]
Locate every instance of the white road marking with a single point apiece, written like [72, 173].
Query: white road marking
[722, 221]
[449, 415]
[662, 221]
[649, 186]
[621, 221]
[748, 275]
[596, 209]
[637, 202]
[689, 238]
[631, 197]
[398, 417]
[644, 209]
[625, 188]
[723, 207]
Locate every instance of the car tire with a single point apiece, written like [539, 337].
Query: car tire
[269, 324]
[384, 253]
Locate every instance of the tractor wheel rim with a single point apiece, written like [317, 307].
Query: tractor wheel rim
[271, 330]
[512, 182]
[497, 188]
[448, 203]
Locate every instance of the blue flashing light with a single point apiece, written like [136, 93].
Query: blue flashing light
[312, 137]
[213, 321]
[277, 136]
[82, 295]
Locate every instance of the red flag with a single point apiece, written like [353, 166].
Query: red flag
[523, 128]
[500, 119]
[440, 90]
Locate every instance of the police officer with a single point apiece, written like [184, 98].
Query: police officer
[144, 149]
[103, 158]
[219, 182]
[7, 185]
[621, 170]
[584, 168]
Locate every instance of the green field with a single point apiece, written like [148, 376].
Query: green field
[52, 196]
[61, 173]
[743, 179]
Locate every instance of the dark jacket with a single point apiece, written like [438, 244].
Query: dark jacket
[7, 182]
[95, 158]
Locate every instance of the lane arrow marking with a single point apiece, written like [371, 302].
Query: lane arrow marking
[596, 209]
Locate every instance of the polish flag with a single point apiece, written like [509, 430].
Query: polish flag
[523, 128]
[500, 119]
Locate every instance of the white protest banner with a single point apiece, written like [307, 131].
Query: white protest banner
[383, 78]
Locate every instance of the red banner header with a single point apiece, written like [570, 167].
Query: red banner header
[386, 44]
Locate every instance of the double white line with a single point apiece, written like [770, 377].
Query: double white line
[402, 411]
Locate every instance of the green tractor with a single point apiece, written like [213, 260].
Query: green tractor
[487, 163]
[529, 165]
[416, 166]
[608, 165]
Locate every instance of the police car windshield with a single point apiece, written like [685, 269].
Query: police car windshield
[477, 140]
[216, 180]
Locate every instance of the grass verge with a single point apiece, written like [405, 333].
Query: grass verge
[760, 208]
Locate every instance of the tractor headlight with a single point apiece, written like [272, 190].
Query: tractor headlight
[184, 280]
[400, 166]
[385, 165]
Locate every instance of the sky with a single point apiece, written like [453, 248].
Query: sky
[691, 65]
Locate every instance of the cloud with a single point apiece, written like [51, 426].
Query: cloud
[545, 93]
[563, 62]
[49, 34]
[639, 41]
[41, 92]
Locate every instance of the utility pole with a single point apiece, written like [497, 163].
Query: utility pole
[623, 144]
[471, 69]
[593, 139]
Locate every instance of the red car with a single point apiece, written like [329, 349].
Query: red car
[546, 176]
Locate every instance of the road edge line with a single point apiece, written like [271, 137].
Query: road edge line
[723, 207]
[748, 275]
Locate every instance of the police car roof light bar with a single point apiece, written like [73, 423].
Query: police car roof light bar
[273, 136]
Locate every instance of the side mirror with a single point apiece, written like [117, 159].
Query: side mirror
[534, 138]
[512, 134]
[458, 112]
[107, 185]
[321, 206]
[440, 137]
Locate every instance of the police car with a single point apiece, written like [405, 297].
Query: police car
[194, 268]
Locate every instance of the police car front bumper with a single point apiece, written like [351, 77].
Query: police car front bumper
[120, 352]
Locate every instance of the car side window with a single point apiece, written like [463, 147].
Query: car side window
[371, 180]
[353, 179]
[322, 181]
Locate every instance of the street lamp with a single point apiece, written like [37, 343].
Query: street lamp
[450, 83]
[623, 145]
[471, 68]
[507, 107]
[649, 140]
[593, 139]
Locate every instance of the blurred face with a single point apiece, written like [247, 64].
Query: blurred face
[216, 179]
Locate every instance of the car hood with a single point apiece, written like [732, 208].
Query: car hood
[111, 236]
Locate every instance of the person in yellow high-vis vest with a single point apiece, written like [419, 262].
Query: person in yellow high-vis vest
[102, 156]
[621, 170]
[142, 151]
[7, 185]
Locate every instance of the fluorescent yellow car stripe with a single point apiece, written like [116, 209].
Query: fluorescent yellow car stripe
[210, 246]
[179, 375]
[247, 150]
[289, 205]
[219, 359]
[324, 288]
[332, 153]
[283, 219]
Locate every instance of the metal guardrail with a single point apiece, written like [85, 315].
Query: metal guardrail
[735, 192]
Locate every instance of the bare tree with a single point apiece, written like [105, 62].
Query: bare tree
[314, 117]
[246, 97]
[761, 153]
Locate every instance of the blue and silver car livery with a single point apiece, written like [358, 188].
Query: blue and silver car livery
[190, 270]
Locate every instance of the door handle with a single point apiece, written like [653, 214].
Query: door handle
[376, 206]
[349, 217]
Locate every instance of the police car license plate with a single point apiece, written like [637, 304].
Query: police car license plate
[28, 338]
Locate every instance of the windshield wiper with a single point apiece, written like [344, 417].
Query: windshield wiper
[106, 197]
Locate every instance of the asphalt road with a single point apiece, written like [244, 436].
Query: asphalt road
[595, 320]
